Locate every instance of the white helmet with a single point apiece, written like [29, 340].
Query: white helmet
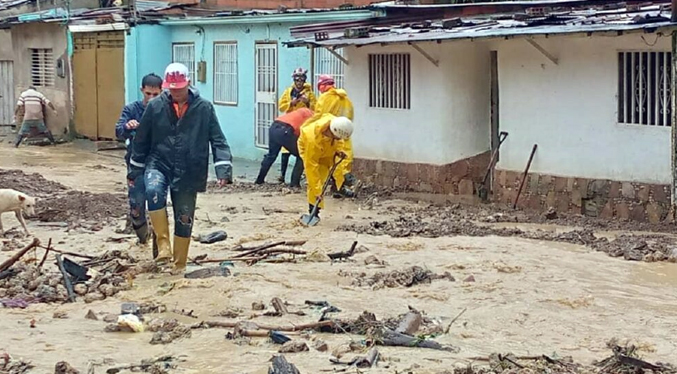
[341, 127]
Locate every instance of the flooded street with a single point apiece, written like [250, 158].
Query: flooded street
[528, 297]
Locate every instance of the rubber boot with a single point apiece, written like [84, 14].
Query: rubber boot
[181, 246]
[160, 222]
[143, 234]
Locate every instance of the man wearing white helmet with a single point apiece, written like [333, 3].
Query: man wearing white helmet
[321, 140]
[172, 147]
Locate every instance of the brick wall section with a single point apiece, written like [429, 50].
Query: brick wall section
[458, 178]
[596, 198]
[273, 4]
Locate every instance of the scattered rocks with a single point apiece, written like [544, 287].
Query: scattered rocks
[320, 345]
[94, 296]
[400, 278]
[91, 315]
[470, 278]
[373, 260]
[167, 330]
[64, 367]
[258, 306]
[60, 315]
[294, 347]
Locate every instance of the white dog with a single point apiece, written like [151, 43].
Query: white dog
[17, 202]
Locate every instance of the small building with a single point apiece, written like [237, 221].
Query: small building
[236, 63]
[590, 84]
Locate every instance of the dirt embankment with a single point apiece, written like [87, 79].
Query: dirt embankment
[58, 203]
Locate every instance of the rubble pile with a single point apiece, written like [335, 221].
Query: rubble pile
[247, 187]
[75, 206]
[34, 184]
[399, 278]
[448, 222]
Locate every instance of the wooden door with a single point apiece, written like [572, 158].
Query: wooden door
[7, 99]
[110, 89]
[85, 93]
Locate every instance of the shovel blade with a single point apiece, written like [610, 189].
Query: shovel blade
[308, 220]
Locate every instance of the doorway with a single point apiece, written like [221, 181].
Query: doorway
[266, 91]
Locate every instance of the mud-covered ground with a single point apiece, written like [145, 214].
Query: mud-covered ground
[508, 290]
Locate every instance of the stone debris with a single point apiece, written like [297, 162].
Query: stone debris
[294, 347]
[399, 278]
[167, 330]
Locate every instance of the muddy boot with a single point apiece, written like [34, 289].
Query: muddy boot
[343, 192]
[181, 246]
[160, 222]
[143, 234]
[155, 250]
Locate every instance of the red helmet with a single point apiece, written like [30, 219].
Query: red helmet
[325, 79]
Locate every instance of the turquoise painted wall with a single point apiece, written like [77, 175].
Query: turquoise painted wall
[149, 50]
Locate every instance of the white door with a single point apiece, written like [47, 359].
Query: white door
[266, 91]
[7, 99]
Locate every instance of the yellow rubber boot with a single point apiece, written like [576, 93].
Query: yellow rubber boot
[161, 228]
[181, 246]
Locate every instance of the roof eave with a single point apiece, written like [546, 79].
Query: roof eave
[332, 15]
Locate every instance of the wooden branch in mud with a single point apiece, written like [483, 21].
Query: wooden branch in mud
[66, 279]
[340, 255]
[44, 257]
[260, 248]
[308, 326]
[290, 243]
[279, 306]
[446, 331]
[262, 333]
[392, 338]
[70, 253]
[262, 256]
[12, 260]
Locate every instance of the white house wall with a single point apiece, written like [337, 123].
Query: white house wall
[449, 119]
[570, 111]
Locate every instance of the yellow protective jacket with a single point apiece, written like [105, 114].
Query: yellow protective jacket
[317, 152]
[285, 100]
[335, 101]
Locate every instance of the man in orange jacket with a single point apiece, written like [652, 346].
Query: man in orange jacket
[284, 132]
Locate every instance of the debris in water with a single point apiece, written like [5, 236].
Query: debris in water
[400, 278]
[294, 347]
[64, 367]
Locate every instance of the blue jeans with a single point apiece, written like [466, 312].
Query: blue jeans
[136, 192]
[157, 185]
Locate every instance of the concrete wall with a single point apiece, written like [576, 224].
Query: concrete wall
[570, 110]
[152, 52]
[6, 49]
[44, 35]
[449, 119]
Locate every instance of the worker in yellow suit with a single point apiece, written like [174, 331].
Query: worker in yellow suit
[299, 95]
[335, 101]
[321, 140]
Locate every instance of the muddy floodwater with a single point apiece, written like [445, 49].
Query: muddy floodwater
[524, 296]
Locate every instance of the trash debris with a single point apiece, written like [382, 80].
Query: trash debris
[214, 237]
[11, 366]
[159, 365]
[215, 271]
[130, 322]
[167, 330]
[399, 278]
[280, 365]
[279, 338]
[294, 347]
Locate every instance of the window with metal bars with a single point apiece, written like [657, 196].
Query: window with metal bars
[390, 81]
[42, 67]
[184, 53]
[324, 62]
[225, 73]
[644, 88]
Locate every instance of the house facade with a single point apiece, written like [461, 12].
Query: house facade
[237, 62]
[591, 89]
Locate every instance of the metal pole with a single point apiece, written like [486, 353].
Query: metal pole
[673, 115]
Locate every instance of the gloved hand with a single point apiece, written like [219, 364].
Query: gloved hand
[225, 172]
[350, 179]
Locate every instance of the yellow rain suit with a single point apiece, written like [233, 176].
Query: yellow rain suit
[285, 100]
[317, 152]
[335, 101]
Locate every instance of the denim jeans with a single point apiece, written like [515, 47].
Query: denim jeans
[281, 135]
[136, 192]
[183, 202]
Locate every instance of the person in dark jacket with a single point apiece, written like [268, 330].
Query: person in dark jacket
[125, 129]
[172, 147]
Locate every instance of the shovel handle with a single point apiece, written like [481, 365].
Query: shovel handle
[326, 184]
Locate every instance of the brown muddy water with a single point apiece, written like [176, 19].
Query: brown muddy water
[529, 297]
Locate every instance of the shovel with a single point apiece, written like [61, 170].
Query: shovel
[312, 219]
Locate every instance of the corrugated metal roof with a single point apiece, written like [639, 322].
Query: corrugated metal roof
[648, 18]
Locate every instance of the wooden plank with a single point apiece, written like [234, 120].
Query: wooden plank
[110, 88]
[84, 90]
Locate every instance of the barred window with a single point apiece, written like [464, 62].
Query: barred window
[184, 53]
[390, 81]
[225, 73]
[42, 67]
[324, 62]
[644, 87]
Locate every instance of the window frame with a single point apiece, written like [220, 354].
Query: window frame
[46, 67]
[193, 71]
[394, 93]
[236, 75]
[650, 92]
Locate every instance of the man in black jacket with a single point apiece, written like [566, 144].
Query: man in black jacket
[172, 147]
